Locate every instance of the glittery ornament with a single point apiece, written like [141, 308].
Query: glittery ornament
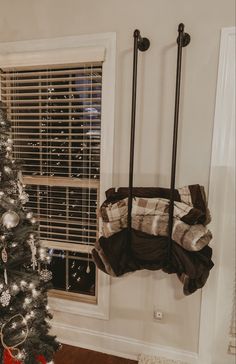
[45, 275]
[12, 188]
[7, 170]
[4, 255]
[10, 219]
[29, 215]
[9, 141]
[21, 355]
[5, 298]
[23, 196]
[33, 248]
[20, 177]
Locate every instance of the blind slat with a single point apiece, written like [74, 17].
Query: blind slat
[53, 100]
[49, 80]
[35, 73]
[46, 93]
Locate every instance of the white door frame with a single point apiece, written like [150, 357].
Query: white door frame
[219, 172]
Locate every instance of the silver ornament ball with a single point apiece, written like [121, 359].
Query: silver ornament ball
[10, 219]
[9, 141]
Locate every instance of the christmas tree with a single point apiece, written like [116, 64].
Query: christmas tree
[24, 277]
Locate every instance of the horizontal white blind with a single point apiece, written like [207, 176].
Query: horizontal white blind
[65, 213]
[56, 126]
[56, 119]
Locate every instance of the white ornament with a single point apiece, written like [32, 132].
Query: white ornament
[5, 276]
[29, 215]
[23, 196]
[10, 219]
[15, 287]
[42, 253]
[7, 170]
[21, 355]
[45, 275]
[9, 141]
[23, 284]
[27, 301]
[20, 177]
[33, 248]
[4, 255]
[5, 298]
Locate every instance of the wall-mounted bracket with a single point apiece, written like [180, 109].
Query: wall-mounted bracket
[143, 43]
[183, 38]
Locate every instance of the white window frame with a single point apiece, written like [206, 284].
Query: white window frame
[220, 282]
[87, 48]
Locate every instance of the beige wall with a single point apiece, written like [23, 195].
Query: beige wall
[133, 297]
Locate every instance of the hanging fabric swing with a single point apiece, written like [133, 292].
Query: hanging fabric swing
[156, 228]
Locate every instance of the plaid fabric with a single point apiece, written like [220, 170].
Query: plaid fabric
[150, 215]
[142, 207]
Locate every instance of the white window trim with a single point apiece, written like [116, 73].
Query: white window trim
[218, 172]
[87, 46]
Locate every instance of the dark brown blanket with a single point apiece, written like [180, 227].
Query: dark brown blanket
[122, 253]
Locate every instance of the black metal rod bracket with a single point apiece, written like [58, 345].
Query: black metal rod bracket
[143, 43]
[184, 38]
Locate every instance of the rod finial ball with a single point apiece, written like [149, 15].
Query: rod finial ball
[136, 33]
[181, 27]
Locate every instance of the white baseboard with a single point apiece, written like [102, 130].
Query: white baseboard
[118, 345]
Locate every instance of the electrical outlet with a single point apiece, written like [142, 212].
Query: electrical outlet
[158, 315]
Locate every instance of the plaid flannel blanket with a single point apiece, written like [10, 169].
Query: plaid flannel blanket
[150, 215]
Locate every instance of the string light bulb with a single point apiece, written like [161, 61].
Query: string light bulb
[15, 287]
[23, 284]
[31, 285]
[35, 293]
[27, 301]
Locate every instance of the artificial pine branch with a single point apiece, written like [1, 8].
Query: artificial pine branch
[24, 315]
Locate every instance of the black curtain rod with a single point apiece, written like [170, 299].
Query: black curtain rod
[183, 40]
[140, 44]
